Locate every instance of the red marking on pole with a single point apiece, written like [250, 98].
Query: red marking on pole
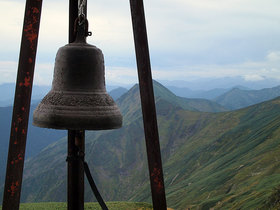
[22, 108]
[15, 142]
[35, 10]
[13, 188]
[19, 120]
[20, 157]
[29, 61]
[156, 173]
[16, 129]
[27, 81]
[23, 131]
[30, 33]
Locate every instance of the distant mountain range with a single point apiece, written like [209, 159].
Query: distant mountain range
[117, 92]
[210, 159]
[223, 82]
[232, 98]
[7, 92]
[237, 98]
[206, 94]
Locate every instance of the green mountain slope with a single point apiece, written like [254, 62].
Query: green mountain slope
[227, 160]
[237, 98]
[236, 169]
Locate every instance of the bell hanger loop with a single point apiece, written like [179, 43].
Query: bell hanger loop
[81, 24]
[81, 29]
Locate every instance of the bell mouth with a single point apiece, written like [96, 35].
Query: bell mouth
[76, 111]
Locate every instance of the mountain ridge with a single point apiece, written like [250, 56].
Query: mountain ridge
[237, 98]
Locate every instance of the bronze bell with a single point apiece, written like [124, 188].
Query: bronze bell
[78, 99]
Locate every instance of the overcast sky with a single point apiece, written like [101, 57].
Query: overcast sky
[188, 39]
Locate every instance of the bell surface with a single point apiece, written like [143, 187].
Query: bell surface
[78, 99]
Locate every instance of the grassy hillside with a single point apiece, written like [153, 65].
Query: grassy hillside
[92, 206]
[236, 169]
[237, 98]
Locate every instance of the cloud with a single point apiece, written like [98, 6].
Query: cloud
[43, 73]
[273, 56]
[120, 75]
[8, 71]
[187, 38]
[253, 77]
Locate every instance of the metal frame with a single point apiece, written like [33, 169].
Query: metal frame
[76, 139]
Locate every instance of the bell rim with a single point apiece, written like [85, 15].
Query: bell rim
[78, 121]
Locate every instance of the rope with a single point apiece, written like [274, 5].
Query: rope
[90, 180]
[94, 188]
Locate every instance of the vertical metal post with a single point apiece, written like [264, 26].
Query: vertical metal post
[75, 188]
[148, 104]
[16, 154]
[73, 14]
[76, 142]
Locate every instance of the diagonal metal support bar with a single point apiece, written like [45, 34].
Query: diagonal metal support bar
[16, 154]
[148, 104]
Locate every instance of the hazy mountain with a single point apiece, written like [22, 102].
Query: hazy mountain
[224, 83]
[206, 94]
[37, 138]
[118, 92]
[222, 160]
[237, 98]
[188, 93]
[7, 92]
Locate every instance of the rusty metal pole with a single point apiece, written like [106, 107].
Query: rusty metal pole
[76, 142]
[16, 154]
[148, 104]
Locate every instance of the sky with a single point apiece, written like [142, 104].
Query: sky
[188, 39]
